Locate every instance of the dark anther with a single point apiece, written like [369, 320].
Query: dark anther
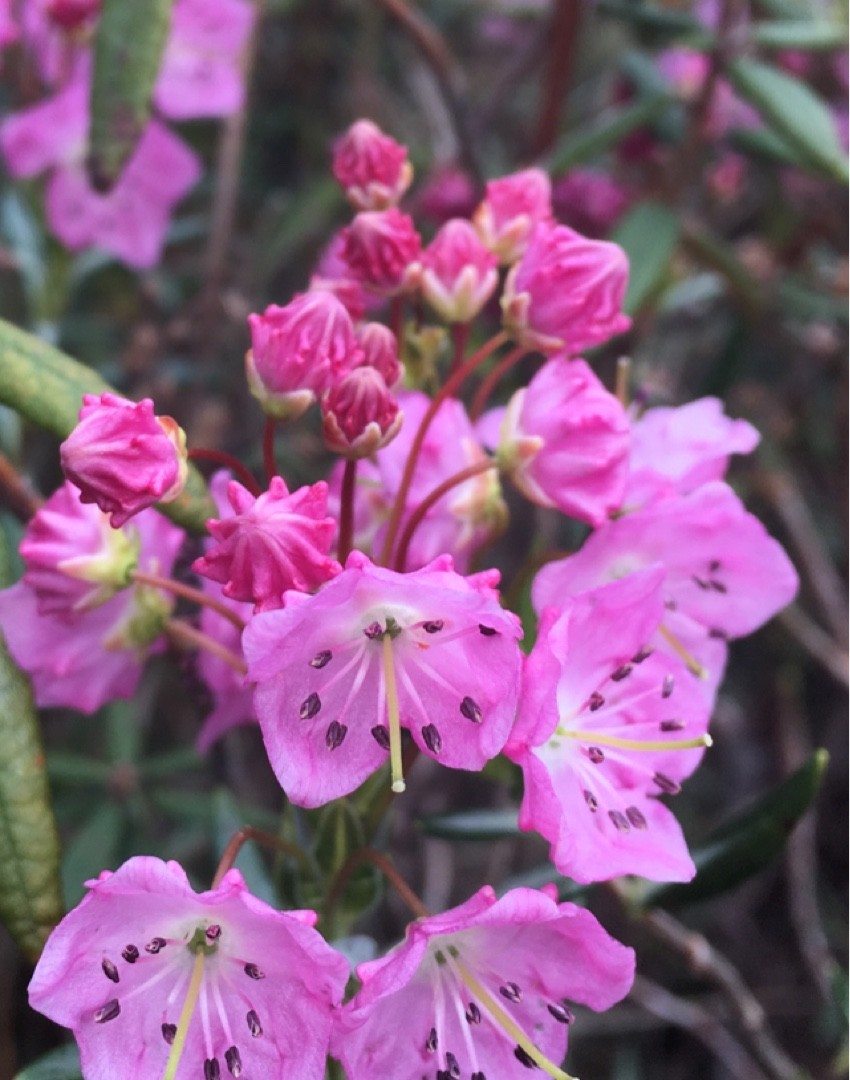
[671, 725]
[667, 686]
[254, 1025]
[668, 786]
[452, 1066]
[381, 736]
[636, 818]
[212, 932]
[718, 586]
[703, 584]
[335, 735]
[110, 970]
[561, 1013]
[253, 972]
[478, 1076]
[374, 631]
[595, 755]
[433, 627]
[471, 710]
[511, 991]
[168, 1032]
[524, 1058]
[596, 701]
[432, 738]
[671, 605]
[234, 1061]
[643, 654]
[212, 1071]
[321, 658]
[130, 953]
[487, 631]
[107, 1012]
[620, 821]
[156, 945]
[592, 801]
[473, 1014]
[718, 634]
[621, 673]
[431, 1041]
[310, 706]
[714, 565]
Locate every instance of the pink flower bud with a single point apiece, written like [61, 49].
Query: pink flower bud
[446, 193]
[123, 457]
[360, 414]
[512, 206]
[380, 247]
[71, 14]
[380, 351]
[297, 351]
[458, 273]
[333, 274]
[567, 292]
[590, 201]
[372, 167]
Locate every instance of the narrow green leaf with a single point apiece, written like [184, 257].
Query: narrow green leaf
[472, 825]
[60, 1064]
[659, 21]
[95, 847]
[762, 142]
[128, 48]
[649, 234]
[799, 34]
[747, 843]
[46, 387]
[615, 124]
[794, 112]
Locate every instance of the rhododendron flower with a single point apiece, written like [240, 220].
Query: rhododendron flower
[567, 292]
[590, 201]
[84, 657]
[298, 351]
[565, 442]
[604, 727]
[334, 275]
[371, 167]
[153, 979]
[340, 673]
[513, 205]
[380, 351]
[447, 192]
[481, 991]
[359, 414]
[381, 247]
[271, 543]
[458, 274]
[123, 457]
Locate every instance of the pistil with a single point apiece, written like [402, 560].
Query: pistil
[186, 1013]
[598, 738]
[691, 663]
[393, 722]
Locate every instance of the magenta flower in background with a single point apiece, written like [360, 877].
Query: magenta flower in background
[513, 205]
[481, 991]
[589, 201]
[371, 167]
[118, 969]
[359, 414]
[458, 273]
[123, 457]
[339, 673]
[448, 191]
[381, 247]
[604, 727]
[271, 543]
[380, 351]
[333, 274]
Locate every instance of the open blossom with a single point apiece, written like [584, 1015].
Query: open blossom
[123, 457]
[565, 442]
[481, 991]
[381, 247]
[605, 726]
[271, 543]
[458, 273]
[567, 292]
[359, 414]
[513, 205]
[338, 674]
[372, 168]
[261, 984]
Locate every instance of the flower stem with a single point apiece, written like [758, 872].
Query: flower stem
[186, 1013]
[446, 390]
[430, 499]
[182, 633]
[621, 392]
[346, 511]
[396, 766]
[269, 463]
[177, 588]
[493, 378]
[259, 836]
[460, 337]
[221, 457]
[387, 869]
[397, 318]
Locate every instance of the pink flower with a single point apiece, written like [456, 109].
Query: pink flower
[359, 414]
[261, 984]
[298, 351]
[380, 351]
[71, 14]
[458, 273]
[200, 74]
[371, 167]
[604, 727]
[123, 457]
[82, 657]
[513, 205]
[447, 192]
[481, 991]
[567, 292]
[565, 442]
[340, 672]
[334, 275]
[380, 247]
[270, 544]
[9, 31]
[589, 201]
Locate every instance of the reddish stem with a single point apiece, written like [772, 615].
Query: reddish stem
[492, 378]
[240, 838]
[397, 318]
[269, 463]
[221, 457]
[177, 588]
[451, 384]
[183, 633]
[16, 493]
[460, 337]
[346, 510]
[432, 497]
[387, 869]
[566, 19]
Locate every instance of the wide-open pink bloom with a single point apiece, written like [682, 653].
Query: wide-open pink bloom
[339, 673]
[604, 727]
[455, 998]
[371, 167]
[118, 969]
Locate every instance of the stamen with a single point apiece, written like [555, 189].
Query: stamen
[431, 1042]
[212, 1069]
[691, 663]
[186, 1014]
[156, 945]
[335, 735]
[667, 686]
[595, 755]
[596, 701]
[452, 1066]
[487, 631]
[432, 738]
[473, 1013]
[599, 738]
[671, 725]
[471, 710]
[591, 800]
[254, 1025]
[396, 768]
[621, 673]
[110, 970]
[168, 1033]
[321, 659]
[234, 1061]
[635, 817]
[511, 991]
[381, 736]
[561, 1013]
[433, 627]
[107, 1012]
[130, 953]
[668, 786]
[524, 1059]
[310, 706]
[619, 821]
[253, 972]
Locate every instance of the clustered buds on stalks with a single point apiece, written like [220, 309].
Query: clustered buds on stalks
[343, 618]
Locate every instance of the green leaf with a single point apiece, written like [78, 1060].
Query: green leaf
[615, 124]
[228, 820]
[60, 1064]
[650, 235]
[472, 825]
[30, 893]
[46, 387]
[659, 21]
[544, 874]
[95, 847]
[747, 843]
[763, 143]
[128, 48]
[799, 34]
[794, 112]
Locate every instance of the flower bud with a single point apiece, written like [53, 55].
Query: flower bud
[372, 167]
[512, 206]
[380, 351]
[458, 274]
[71, 14]
[360, 414]
[124, 458]
[380, 247]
